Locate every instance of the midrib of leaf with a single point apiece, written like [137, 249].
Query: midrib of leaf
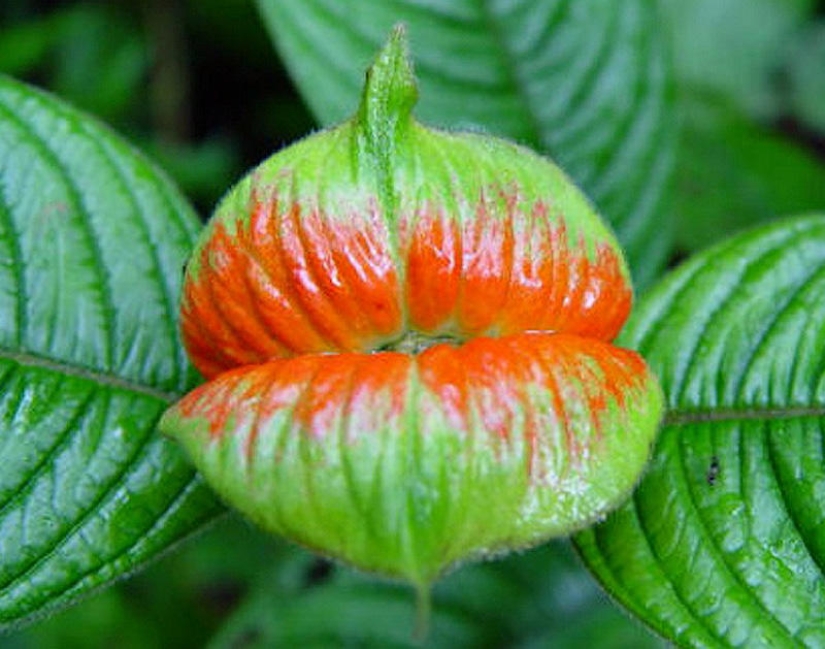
[677, 417]
[103, 379]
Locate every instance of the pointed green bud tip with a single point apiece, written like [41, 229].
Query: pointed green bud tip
[390, 92]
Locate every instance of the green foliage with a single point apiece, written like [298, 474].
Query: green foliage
[92, 239]
[732, 173]
[741, 66]
[508, 603]
[81, 47]
[806, 76]
[722, 544]
[585, 82]
[730, 49]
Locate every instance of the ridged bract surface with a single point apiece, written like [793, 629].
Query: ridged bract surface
[407, 335]
[302, 257]
[452, 453]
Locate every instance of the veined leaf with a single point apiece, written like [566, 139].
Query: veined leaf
[723, 543]
[585, 82]
[92, 242]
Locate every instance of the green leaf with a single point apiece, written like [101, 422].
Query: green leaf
[723, 543]
[732, 174]
[179, 602]
[585, 82]
[730, 49]
[538, 599]
[92, 243]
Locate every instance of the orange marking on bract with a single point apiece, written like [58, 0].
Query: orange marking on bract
[318, 390]
[487, 261]
[222, 399]
[287, 283]
[379, 394]
[361, 251]
[320, 408]
[352, 324]
[216, 326]
[234, 301]
[502, 274]
[515, 389]
[493, 384]
[203, 336]
[433, 251]
[445, 376]
[538, 251]
[306, 288]
[269, 280]
[295, 281]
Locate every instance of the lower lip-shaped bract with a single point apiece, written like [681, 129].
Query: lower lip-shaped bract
[406, 464]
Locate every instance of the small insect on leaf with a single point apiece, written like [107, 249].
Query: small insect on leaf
[713, 471]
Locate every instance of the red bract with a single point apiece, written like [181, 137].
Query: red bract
[286, 283]
[407, 335]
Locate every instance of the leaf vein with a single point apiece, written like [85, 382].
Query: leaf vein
[105, 379]
[80, 580]
[509, 63]
[75, 197]
[677, 417]
[816, 560]
[723, 569]
[93, 508]
[167, 299]
[62, 439]
[22, 299]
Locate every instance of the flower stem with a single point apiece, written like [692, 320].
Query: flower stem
[423, 612]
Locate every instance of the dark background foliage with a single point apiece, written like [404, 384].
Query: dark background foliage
[197, 84]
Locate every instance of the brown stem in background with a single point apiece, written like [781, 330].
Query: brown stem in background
[169, 84]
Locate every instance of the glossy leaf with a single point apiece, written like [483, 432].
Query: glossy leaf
[538, 599]
[723, 543]
[585, 82]
[92, 242]
[731, 67]
[404, 465]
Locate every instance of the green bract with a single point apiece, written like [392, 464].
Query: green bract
[407, 339]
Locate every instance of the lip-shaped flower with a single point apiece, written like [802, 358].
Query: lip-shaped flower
[407, 338]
